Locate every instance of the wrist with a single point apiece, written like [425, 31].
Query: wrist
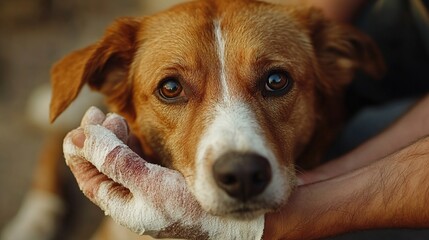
[303, 217]
[322, 209]
[272, 226]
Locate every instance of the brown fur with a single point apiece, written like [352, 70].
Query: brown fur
[123, 66]
[128, 63]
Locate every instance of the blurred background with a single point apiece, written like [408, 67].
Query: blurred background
[33, 35]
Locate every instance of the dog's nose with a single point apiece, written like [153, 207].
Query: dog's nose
[242, 175]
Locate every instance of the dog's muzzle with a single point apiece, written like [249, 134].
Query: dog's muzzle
[242, 175]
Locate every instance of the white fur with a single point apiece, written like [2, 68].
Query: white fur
[149, 211]
[37, 219]
[233, 127]
[220, 43]
[141, 214]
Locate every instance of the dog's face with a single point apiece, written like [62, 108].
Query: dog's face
[226, 92]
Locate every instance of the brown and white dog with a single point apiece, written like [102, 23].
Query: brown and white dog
[233, 94]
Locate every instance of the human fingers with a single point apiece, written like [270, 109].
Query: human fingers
[93, 116]
[113, 158]
[117, 124]
[145, 198]
[113, 198]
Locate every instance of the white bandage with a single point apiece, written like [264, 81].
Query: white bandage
[146, 198]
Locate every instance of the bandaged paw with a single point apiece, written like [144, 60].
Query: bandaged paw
[146, 198]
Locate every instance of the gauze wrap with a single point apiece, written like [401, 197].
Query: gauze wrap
[146, 198]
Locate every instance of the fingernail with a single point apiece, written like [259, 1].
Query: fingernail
[78, 138]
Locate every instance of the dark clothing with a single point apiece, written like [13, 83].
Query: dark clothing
[402, 33]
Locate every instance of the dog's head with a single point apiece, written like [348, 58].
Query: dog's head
[229, 93]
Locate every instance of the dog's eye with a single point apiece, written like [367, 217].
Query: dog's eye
[277, 83]
[170, 89]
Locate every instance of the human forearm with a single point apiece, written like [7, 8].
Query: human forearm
[392, 192]
[412, 126]
[407, 129]
[316, 211]
[323, 209]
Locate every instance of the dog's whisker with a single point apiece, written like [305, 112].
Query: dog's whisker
[228, 94]
[299, 169]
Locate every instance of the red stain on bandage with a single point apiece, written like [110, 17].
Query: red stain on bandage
[119, 171]
[125, 167]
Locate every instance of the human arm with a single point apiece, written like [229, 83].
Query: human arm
[392, 192]
[411, 126]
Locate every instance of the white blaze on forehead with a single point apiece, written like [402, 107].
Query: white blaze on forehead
[234, 121]
[232, 127]
[220, 46]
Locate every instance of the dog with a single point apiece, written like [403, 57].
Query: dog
[233, 94]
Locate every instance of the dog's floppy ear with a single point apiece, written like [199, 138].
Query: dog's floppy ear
[341, 49]
[104, 66]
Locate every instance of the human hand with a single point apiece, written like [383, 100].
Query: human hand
[146, 198]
